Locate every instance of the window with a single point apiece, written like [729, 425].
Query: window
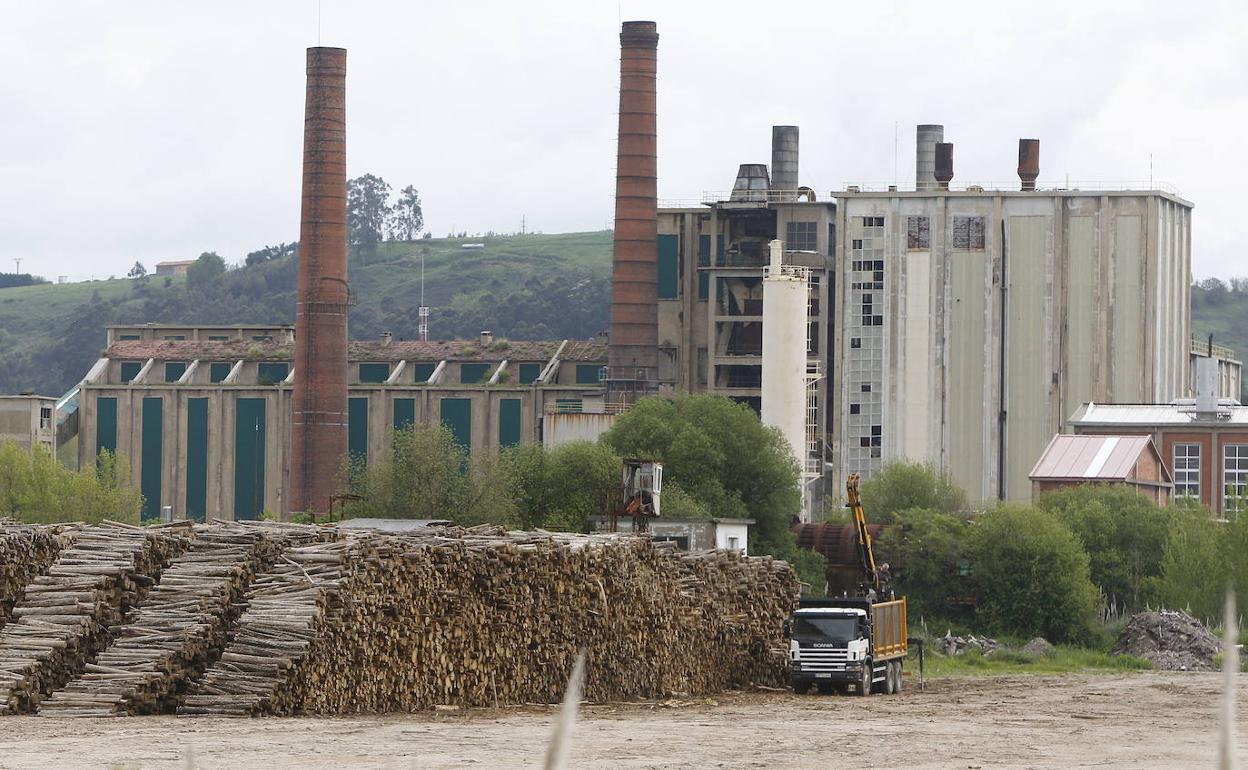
[374, 373]
[918, 233]
[130, 370]
[855, 408]
[175, 337]
[471, 374]
[262, 338]
[128, 337]
[802, 236]
[1234, 479]
[968, 233]
[272, 372]
[218, 338]
[218, 371]
[588, 374]
[45, 417]
[174, 370]
[873, 221]
[1187, 470]
[734, 544]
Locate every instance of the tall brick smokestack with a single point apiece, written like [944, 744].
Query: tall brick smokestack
[319, 425]
[633, 354]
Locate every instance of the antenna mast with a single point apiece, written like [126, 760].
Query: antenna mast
[422, 313]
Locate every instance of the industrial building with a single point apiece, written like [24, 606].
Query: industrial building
[26, 420]
[1129, 461]
[204, 413]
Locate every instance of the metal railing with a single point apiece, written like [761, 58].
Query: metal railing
[1015, 185]
[1202, 348]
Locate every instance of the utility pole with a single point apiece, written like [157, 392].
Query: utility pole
[18, 262]
[522, 224]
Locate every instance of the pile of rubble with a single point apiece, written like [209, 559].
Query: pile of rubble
[957, 645]
[1170, 640]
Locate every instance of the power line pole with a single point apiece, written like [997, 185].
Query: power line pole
[18, 262]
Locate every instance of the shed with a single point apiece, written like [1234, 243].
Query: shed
[1084, 459]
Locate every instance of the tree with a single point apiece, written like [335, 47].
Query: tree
[204, 271]
[560, 488]
[1031, 576]
[138, 271]
[901, 486]
[425, 474]
[406, 218]
[929, 558]
[368, 208]
[269, 253]
[1195, 570]
[36, 488]
[1123, 533]
[721, 454]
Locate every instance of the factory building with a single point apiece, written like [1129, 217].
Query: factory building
[974, 320]
[26, 420]
[204, 413]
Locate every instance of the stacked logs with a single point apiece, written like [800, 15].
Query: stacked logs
[26, 551]
[484, 617]
[65, 617]
[181, 626]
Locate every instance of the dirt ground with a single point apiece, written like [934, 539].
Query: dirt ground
[1144, 720]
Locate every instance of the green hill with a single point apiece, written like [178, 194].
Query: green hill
[1221, 309]
[521, 287]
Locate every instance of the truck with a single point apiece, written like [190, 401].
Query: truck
[857, 642]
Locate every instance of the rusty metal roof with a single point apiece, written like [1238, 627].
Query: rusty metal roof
[1091, 458]
[411, 350]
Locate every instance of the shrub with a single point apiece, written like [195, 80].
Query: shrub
[35, 488]
[1195, 570]
[1032, 576]
[928, 551]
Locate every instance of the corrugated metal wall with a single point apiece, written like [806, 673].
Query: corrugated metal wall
[1027, 350]
[1126, 376]
[965, 371]
[1082, 332]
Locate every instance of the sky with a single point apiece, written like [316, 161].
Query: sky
[154, 130]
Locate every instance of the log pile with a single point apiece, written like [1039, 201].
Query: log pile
[26, 551]
[181, 626]
[65, 616]
[484, 617]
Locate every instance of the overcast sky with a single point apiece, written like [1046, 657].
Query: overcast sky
[157, 130]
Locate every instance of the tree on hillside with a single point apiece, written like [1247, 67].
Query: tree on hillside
[368, 208]
[269, 253]
[138, 271]
[902, 486]
[406, 218]
[205, 270]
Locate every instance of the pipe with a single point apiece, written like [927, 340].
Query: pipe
[1028, 162]
[633, 354]
[784, 156]
[319, 398]
[944, 164]
[927, 136]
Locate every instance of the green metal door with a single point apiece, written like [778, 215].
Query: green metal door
[508, 422]
[249, 458]
[152, 455]
[669, 266]
[457, 417]
[357, 428]
[105, 424]
[404, 413]
[196, 458]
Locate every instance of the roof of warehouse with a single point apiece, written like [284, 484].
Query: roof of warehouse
[1145, 415]
[357, 351]
[1092, 458]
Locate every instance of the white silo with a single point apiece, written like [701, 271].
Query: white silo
[784, 397]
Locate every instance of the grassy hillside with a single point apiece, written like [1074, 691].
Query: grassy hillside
[523, 287]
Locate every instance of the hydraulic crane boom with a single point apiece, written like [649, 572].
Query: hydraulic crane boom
[865, 555]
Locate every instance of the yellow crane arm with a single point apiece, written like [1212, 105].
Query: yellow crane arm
[865, 553]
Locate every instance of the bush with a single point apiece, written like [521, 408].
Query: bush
[1032, 577]
[560, 488]
[37, 489]
[928, 551]
[1124, 534]
[904, 486]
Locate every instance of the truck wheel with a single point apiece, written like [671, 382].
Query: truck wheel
[887, 685]
[897, 680]
[864, 683]
[801, 688]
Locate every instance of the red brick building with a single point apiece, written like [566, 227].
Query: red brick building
[1131, 461]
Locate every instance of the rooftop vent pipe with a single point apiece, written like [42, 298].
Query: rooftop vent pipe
[633, 355]
[784, 146]
[1028, 162]
[927, 136]
[318, 436]
[944, 164]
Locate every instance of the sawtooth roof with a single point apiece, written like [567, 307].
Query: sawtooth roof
[360, 351]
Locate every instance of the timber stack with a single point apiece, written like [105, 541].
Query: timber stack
[483, 617]
[182, 625]
[65, 615]
[26, 551]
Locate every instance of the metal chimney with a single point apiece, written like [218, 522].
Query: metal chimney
[784, 141]
[927, 136]
[1028, 162]
[633, 355]
[319, 399]
[751, 183]
[944, 164]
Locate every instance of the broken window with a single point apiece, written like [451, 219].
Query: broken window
[918, 236]
[968, 233]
